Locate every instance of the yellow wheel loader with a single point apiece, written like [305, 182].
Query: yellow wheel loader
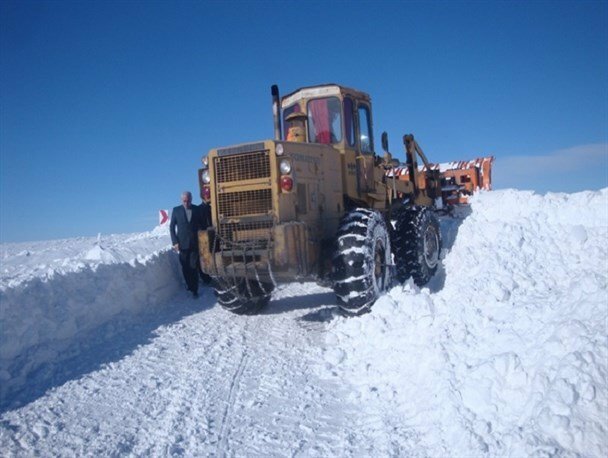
[317, 203]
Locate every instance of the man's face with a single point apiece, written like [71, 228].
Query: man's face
[186, 200]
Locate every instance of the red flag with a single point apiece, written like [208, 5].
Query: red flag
[163, 217]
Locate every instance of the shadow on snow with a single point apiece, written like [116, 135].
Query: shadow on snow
[449, 226]
[111, 342]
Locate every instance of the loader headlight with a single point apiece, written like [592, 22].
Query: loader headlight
[206, 177]
[285, 166]
[279, 150]
[205, 161]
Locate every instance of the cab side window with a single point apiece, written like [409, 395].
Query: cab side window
[349, 124]
[365, 130]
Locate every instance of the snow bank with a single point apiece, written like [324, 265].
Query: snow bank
[510, 357]
[55, 293]
[25, 261]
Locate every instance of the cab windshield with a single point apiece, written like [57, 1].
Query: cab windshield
[325, 120]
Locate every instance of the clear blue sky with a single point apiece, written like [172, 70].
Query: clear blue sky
[107, 107]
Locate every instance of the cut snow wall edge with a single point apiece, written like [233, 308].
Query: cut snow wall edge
[42, 319]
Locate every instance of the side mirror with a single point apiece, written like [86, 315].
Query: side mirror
[385, 142]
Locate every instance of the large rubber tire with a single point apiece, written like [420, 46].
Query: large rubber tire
[417, 245]
[362, 260]
[242, 298]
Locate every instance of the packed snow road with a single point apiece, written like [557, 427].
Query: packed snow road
[208, 384]
[505, 353]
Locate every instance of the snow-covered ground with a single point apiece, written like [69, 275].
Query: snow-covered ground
[55, 296]
[102, 352]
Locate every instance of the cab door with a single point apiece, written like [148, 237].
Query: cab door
[365, 149]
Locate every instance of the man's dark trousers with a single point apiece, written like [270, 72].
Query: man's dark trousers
[187, 238]
[189, 261]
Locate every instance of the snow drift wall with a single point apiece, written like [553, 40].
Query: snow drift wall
[510, 357]
[42, 318]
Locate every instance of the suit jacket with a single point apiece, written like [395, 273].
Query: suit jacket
[187, 232]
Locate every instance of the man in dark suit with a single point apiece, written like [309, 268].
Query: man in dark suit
[188, 219]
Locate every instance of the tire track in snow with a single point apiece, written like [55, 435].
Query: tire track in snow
[280, 406]
[206, 343]
[181, 408]
[232, 394]
[208, 384]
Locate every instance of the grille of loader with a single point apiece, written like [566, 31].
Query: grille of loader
[240, 203]
[238, 238]
[245, 236]
[242, 167]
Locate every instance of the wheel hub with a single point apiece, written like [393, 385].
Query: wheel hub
[379, 265]
[431, 247]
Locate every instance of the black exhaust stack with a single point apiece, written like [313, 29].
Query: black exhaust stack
[276, 111]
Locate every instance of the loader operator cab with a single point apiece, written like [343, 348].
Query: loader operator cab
[336, 116]
[331, 115]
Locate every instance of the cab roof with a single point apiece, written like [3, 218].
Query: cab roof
[322, 90]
